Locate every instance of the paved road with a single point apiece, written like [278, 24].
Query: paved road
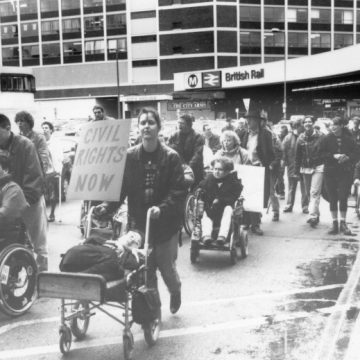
[276, 304]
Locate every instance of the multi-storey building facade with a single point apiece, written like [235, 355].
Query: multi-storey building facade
[74, 46]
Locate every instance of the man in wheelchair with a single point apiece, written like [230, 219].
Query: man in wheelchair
[12, 205]
[220, 189]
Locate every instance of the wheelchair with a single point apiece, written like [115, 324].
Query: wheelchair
[18, 273]
[114, 223]
[237, 243]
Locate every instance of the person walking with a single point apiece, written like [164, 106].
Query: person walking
[25, 122]
[25, 169]
[289, 151]
[280, 186]
[189, 145]
[54, 172]
[258, 142]
[154, 179]
[338, 151]
[310, 167]
[99, 114]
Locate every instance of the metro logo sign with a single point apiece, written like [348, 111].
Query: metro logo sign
[211, 79]
[192, 80]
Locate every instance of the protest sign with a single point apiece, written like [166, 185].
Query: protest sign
[252, 178]
[100, 160]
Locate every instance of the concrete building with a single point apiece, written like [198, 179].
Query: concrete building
[79, 49]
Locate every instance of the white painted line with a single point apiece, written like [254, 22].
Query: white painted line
[8, 327]
[203, 329]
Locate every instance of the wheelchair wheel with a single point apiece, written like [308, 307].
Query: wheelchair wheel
[152, 331]
[65, 339]
[80, 324]
[244, 243]
[189, 213]
[18, 271]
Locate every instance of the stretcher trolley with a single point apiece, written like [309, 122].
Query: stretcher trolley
[81, 294]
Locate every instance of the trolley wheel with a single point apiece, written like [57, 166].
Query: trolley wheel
[194, 254]
[18, 272]
[65, 339]
[152, 331]
[244, 243]
[128, 345]
[80, 324]
[189, 213]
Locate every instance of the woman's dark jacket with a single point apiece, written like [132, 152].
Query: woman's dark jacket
[169, 192]
[329, 146]
[307, 154]
[190, 148]
[227, 193]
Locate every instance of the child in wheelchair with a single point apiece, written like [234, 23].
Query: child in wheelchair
[220, 190]
[12, 205]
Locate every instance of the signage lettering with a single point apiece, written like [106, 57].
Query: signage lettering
[244, 75]
[187, 105]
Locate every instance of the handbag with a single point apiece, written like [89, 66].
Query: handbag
[145, 305]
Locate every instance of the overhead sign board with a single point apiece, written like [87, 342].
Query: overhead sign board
[193, 80]
[188, 105]
[211, 79]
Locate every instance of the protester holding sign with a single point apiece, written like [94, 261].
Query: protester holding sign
[154, 179]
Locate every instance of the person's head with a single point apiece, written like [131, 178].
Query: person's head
[298, 126]
[48, 129]
[207, 130]
[185, 123]
[5, 129]
[24, 121]
[356, 122]
[229, 140]
[336, 125]
[309, 123]
[149, 123]
[242, 123]
[228, 120]
[222, 166]
[98, 112]
[283, 131]
[254, 119]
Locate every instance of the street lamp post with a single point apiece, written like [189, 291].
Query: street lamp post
[118, 83]
[284, 105]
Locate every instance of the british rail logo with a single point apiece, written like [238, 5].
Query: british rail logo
[244, 75]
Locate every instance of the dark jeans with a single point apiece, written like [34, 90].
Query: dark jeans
[280, 186]
[293, 181]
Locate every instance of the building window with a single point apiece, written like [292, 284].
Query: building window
[70, 7]
[10, 56]
[116, 24]
[250, 42]
[50, 27]
[29, 32]
[143, 39]
[117, 46]
[28, 9]
[143, 63]
[30, 55]
[94, 26]
[9, 32]
[71, 26]
[94, 50]
[72, 52]
[114, 5]
[8, 11]
[298, 43]
[250, 13]
[143, 15]
[226, 16]
[320, 16]
[22, 83]
[49, 8]
[344, 17]
[297, 15]
[320, 42]
[274, 43]
[93, 6]
[227, 41]
[249, 60]
[51, 53]
[274, 14]
[342, 40]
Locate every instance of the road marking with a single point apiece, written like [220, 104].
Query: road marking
[8, 327]
[203, 329]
